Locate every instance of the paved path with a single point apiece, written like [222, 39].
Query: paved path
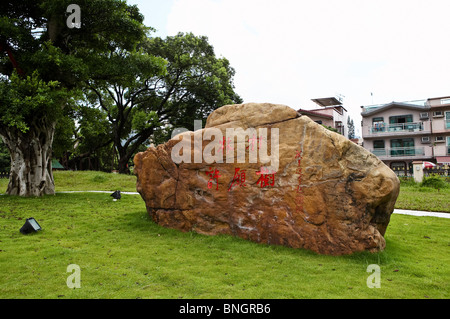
[108, 192]
[421, 213]
[396, 211]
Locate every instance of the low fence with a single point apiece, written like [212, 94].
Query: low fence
[437, 170]
[4, 174]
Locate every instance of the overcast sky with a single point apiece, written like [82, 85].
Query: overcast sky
[290, 52]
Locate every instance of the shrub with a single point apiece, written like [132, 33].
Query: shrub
[99, 179]
[434, 181]
[407, 181]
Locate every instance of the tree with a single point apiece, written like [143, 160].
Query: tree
[4, 158]
[43, 63]
[28, 137]
[164, 83]
[197, 82]
[351, 128]
[92, 137]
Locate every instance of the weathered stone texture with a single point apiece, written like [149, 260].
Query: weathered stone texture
[329, 195]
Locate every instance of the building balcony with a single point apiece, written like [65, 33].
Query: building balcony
[401, 129]
[400, 153]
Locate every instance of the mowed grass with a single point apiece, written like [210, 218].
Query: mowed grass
[423, 198]
[87, 181]
[122, 253]
[93, 180]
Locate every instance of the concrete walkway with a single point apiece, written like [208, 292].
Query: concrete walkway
[421, 213]
[396, 211]
[108, 192]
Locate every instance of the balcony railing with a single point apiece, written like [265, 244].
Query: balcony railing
[382, 127]
[399, 152]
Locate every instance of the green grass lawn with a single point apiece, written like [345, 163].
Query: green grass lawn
[123, 254]
[87, 180]
[424, 198]
[92, 180]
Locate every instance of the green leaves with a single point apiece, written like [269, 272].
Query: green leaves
[143, 120]
[196, 83]
[21, 99]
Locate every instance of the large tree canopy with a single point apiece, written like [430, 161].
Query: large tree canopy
[123, 88]
[43, 63]
[166, 82]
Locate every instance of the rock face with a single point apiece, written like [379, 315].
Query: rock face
[322, 192]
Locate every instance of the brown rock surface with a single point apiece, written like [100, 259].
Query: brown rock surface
[328, 195]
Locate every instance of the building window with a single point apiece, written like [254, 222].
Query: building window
[339, 127]
[402, 142]
[403, 147]
[401, 119]
[318, 122]
[377, 119]
[447, 119]
[379, 148]
[445, 101]
[378, 124]
[403, 123]
[378, 144]
[448, 145]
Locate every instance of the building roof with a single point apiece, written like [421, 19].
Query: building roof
[56, 164]
[439, 98]
[413, 105]
[314, 113]
[443, 159]
[327, 101]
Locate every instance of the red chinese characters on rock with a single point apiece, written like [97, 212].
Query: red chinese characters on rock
[299, 191]
[225, 145]
[266, 178]
[238, 179]
[213, 176]
[253, 140]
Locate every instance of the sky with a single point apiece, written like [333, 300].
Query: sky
[289, 52]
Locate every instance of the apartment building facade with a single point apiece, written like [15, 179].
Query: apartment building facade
[402, 132]
[331, 113]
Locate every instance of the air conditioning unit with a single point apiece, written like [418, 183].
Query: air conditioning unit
[424, 115]
[438, 114]
[439, 139]
[425, 139]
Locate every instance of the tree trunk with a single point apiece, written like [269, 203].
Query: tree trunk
[122, 160]
[123, 165]
[31, 160]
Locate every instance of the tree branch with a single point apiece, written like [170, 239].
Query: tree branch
[100, 100]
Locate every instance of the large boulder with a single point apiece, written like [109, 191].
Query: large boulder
[320, 192]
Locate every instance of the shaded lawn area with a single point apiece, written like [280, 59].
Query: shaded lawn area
[123, 254]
